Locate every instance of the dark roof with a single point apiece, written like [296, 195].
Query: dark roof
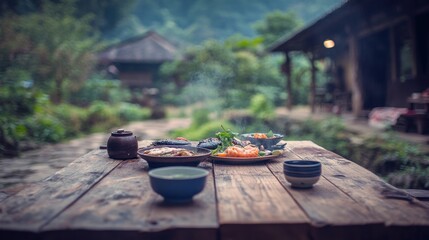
[299, 39]
[351, 17]
[149, 47]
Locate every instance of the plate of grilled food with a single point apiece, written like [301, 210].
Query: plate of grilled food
[173, 155]
[226, 147]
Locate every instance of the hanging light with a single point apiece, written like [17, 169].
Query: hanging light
[329, 43]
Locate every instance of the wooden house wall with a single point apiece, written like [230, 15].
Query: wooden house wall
[137, 76]
[136, 80]
[397, 89]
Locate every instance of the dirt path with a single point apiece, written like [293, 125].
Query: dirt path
[38, 164]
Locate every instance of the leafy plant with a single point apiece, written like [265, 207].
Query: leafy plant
[226, 137]
[261, 107]
[97, 88]
[133, 112]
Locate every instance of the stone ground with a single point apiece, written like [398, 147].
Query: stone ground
[35, 165]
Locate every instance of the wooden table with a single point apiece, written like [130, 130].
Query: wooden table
[99, 198]
[423, 101]
[420, 115]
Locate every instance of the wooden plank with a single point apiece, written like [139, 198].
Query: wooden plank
[313, 83]
[124, 203]
[400, 218]
[27, 211]
[419, 193]
[333, 214]
[253, 204]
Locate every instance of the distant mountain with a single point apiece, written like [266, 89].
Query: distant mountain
[193, 21]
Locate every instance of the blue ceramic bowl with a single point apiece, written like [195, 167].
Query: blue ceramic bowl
[178, 184]
[302, 173]
[268, 143]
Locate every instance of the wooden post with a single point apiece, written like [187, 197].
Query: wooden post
[357, 103]
[393, 57]
[414, 53]
[288, 73]
[313, 84]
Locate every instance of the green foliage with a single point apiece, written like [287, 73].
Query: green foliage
[17, 103]
[133, 112]
[200, 117]
[106, 14]
[410, 177]
[208, 129]
[12, 130]
[221, 77]
[44, 128]
[201, 127]
[72, 118]
[101, 116]
[52, 46]
[329, 134]
[276, 25]
[195, 21]
[238, 42]
[261, 107]
[100, 89]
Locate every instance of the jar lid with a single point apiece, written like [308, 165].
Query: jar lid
[122, 132]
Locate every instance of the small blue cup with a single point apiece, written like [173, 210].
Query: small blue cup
[302, 173]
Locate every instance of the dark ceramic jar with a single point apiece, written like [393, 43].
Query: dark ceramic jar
[122, 145]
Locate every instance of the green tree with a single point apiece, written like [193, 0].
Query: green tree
[276, 25]
[106, 14]
[227, 74]
[52, 46]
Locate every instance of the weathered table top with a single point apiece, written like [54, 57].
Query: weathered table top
[99, 198]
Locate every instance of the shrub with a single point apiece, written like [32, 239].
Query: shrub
[101, 116]
[208, 129]
[72, 118]
[133, 112]
[12, 130]
[45, 128]
[261, 107]
[200, 117]
[99, 89]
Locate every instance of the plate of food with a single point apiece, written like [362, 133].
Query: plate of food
[268, 140]
[173, 155]
[233, 150]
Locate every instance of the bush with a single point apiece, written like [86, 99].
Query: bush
[101, 116]
[99, 89]
[200, 117]
[261, 107]
[208, 129]
[133, 112]
[12, 130]
[72, 118]
[44, 128]
[17, 103]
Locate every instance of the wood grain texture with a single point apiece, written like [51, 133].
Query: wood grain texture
[99, 198]
[33, 207]
[125, 202]
[250, 197]
[333, 214]
[364, 187]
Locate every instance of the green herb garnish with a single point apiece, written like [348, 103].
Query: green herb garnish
[270, 134]
[226, 138]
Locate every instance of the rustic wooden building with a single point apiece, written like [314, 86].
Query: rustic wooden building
[136, 61]
[379, 50]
